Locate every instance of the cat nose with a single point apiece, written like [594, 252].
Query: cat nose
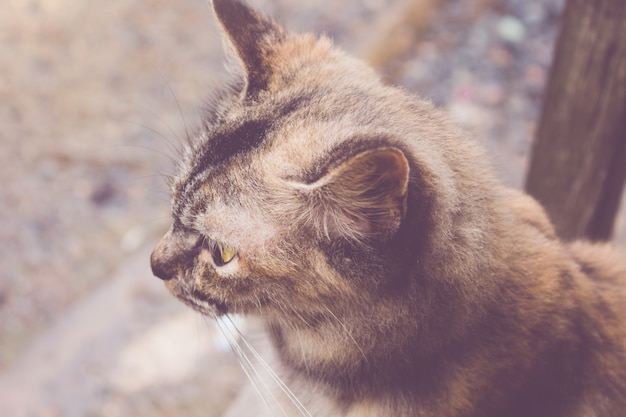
[161, 260]
[161, 269]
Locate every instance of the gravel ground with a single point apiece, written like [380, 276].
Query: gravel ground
[88, 115]
[95, 97]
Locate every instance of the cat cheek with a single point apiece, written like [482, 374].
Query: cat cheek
[231, 269]
[205, 258]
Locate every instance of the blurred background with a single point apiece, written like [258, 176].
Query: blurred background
[95, 96]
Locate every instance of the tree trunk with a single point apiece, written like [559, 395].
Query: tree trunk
[578, 162]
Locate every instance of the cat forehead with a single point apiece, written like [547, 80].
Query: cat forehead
[245, 129]
[241, 226]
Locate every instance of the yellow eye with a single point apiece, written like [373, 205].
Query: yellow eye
[223, 254]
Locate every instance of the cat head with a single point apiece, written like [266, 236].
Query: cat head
[302, 189]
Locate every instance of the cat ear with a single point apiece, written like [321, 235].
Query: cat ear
[364, 197]
[252, 35]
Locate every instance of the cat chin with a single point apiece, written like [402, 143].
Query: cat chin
[206, 308]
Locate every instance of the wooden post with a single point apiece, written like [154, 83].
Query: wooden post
[578, 162]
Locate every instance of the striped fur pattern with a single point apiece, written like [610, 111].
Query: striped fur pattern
[389, 272]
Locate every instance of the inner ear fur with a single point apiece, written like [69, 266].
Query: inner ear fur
[364, 197]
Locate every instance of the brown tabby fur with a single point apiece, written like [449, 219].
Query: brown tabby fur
[392, 274]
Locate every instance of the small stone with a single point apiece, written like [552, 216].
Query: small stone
[511, 29]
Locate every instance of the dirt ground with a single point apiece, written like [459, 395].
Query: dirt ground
[94, 98]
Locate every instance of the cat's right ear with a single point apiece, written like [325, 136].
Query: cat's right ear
[253, 37]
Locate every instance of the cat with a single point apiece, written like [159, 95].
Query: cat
[390, 273]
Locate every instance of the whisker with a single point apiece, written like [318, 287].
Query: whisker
[293, 327]
[294, 399]
[172, 146]
[248, 367]
[180, 110]
[348, 333]
[243, 362]
[174, 149]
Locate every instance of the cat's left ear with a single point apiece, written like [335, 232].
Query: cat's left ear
[362, 198]
[254, 38]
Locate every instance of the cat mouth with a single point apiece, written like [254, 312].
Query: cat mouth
[197, 301]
